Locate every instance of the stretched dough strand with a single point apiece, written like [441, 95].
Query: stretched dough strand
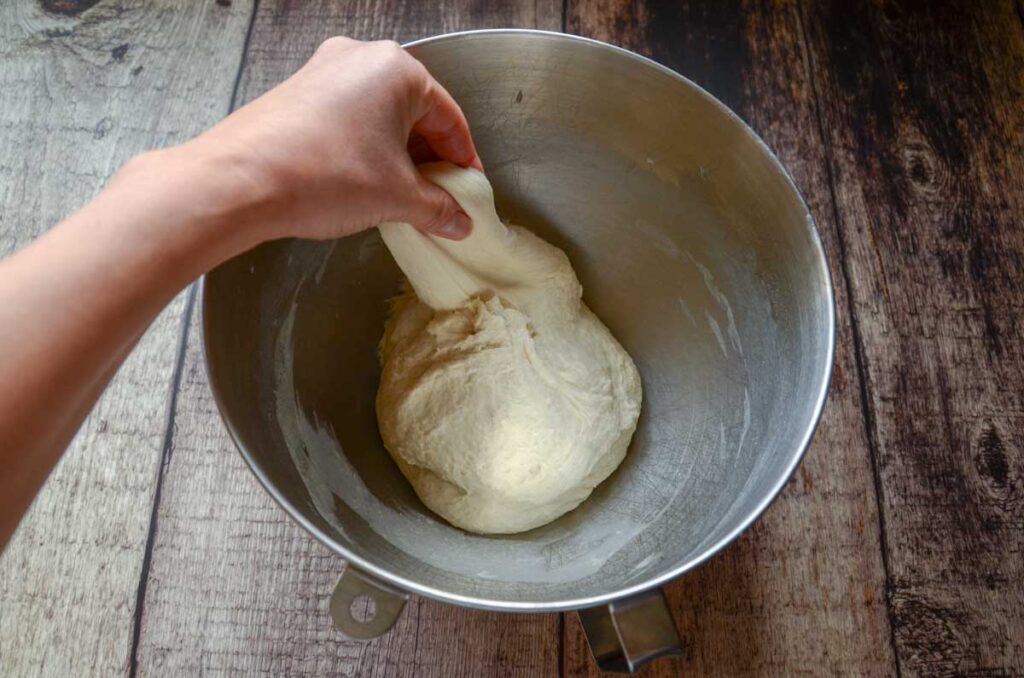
[503, 399]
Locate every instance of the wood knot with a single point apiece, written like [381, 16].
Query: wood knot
[66, 7]
[119, 52]
[924, 170]
[991, 459]
[931, 633]
[918, 171]
[102, 128]
[994, 460]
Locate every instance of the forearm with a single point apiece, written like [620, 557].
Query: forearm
[74, 302]
[323, 155]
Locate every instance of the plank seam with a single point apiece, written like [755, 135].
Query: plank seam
[245, 53]
[561, 632]
[870, 422]
[561, 615]
[165, 458]
[168, 442]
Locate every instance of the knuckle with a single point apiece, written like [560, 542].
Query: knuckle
[440, 210]
[388, 46]
[335, 43]
[368, 178]
[394, 56]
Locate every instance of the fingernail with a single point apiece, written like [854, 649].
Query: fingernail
[457, 228]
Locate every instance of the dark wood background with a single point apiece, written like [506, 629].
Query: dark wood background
[897, 547]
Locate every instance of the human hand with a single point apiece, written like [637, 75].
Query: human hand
[325, 154]
[332, 150]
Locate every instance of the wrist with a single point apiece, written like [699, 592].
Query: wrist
[204, 198]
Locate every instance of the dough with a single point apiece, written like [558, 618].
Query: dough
[503, 399]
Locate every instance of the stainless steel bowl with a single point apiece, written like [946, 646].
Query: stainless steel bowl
[693, 246]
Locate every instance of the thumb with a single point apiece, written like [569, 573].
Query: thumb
[434, 211]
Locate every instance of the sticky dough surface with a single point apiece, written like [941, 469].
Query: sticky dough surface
[503, 399]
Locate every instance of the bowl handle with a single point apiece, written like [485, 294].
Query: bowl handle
[627, 633]
[387, 605]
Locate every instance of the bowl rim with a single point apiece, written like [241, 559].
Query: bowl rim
[679, 569]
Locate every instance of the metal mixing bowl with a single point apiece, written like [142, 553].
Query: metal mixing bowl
[693, 246]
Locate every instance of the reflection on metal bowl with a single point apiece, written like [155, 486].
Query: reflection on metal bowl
[695, 249]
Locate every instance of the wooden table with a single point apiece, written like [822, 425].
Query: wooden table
[898, 548]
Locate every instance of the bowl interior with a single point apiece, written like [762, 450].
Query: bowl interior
[692, 246]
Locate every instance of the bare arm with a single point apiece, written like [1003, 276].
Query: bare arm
[323, 155]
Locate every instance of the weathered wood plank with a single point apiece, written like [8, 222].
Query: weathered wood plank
[923, 109]
[286, 35]
[234, 586]
[801, 592]
[82, 88]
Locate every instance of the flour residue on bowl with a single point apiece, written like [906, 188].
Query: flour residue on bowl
[561, 555]
[608, 527]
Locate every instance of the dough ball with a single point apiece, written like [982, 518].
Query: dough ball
[504, 401]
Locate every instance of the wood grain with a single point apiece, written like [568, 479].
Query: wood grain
[235, 587]
[82, 88]
[923, 109]
[901, 123]
[803, 591]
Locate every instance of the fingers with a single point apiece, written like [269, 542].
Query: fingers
[443, 128]
[407, 100]
[337, 43]
[440, 133]
[434, 211]
[420, 151]
[439, 129]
